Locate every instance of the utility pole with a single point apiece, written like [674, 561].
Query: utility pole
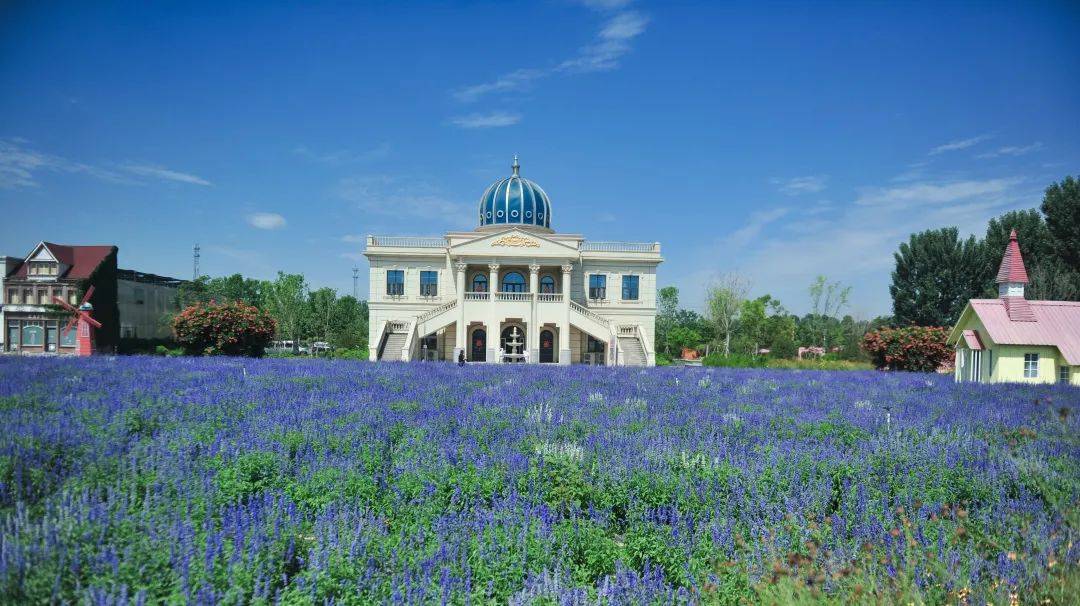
[355, 280]
[195, 262]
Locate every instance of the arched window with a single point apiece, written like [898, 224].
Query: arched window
[547, 285]
[479, 283]
[513, 282]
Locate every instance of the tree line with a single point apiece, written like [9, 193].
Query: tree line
[300, 314]
[937, 271]
[735, 324]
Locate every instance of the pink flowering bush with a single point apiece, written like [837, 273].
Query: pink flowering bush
[914, 348]
[231, 329]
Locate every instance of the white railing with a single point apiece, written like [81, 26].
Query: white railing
[410, 339]
[547, 297]
[513, 296]
[620, 247]
[644, 344]
[407, 241]
[628, 330]
[581, 309]
[397, 326]
[476, 296]
[427, 315]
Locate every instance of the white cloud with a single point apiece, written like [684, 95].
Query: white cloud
[1012, 150]
[343, 156]
[22, 167]
[491, 120]
[404, 200]
[919, 194]
[958, 145]
[266, 220]
[783, 251]
[801, 185]
[165, 174]
[748, 233]
[604, 5]
[612, 42]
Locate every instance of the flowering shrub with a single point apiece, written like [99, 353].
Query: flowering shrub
[915, 348]
[232, 328]
[150, 480]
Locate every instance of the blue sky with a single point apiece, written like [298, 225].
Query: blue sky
[778, 140]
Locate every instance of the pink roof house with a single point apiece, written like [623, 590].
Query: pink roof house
[1012, 339]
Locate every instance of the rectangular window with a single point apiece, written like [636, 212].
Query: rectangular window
[13, 295]
[67, 339]
[1063, 374]
[42, 296]
[395, 282]
[429, 283]
[13, 336]
[630, 288]
[1031, 366]
[140, 295]
[597, 286]
[73, 297]
[28, 296]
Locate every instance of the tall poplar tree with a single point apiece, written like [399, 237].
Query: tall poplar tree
[936, 273]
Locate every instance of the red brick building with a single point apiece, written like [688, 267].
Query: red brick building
[33, 323]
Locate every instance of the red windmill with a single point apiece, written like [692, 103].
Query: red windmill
[84, 339]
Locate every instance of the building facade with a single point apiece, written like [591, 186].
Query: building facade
[1013, 339]
[128, 304]
[512, 290]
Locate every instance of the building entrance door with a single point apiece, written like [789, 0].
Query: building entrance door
[547, 347]
[478, 346]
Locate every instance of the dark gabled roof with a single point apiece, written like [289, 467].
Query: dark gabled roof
[81, 260]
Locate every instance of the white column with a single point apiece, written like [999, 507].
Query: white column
[492, 323]
[533, 333]
[564, 327]
[459, 335]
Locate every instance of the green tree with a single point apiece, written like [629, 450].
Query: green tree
[723, 301]
[321, 306]
[684, 337]
[285, 298]
[936, 273]
[667, 305]
[349, 327]
[1049, 278]
[1061, 208]
[826, 300]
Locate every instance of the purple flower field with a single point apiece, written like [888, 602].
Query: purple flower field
[233, 481]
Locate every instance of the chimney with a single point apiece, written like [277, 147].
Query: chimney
[1011, 278]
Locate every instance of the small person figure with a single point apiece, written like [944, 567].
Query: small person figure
[461, 358]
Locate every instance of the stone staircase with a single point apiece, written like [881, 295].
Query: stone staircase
[631, 351]
[392, 344]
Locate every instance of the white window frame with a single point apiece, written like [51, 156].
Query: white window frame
[1031, 359]
[1063, 374]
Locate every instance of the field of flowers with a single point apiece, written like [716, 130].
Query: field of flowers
[233, 481]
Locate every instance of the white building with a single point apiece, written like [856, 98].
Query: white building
[512, 290]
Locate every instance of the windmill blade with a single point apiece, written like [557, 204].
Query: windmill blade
[90, 320]
[70, 324]
[64, 304]
[89, 291]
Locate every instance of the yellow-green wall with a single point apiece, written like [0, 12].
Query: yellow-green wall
[1005, 363]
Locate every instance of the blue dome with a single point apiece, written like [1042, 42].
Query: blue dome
[515, 201]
